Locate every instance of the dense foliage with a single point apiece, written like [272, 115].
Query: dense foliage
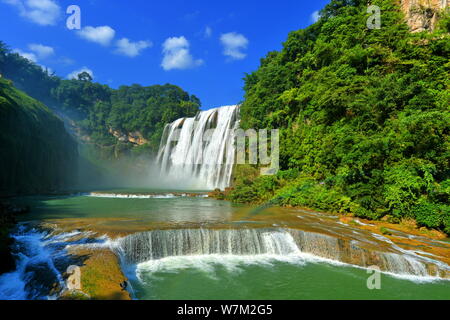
[98, 110]
[36, 153]
[364, 117]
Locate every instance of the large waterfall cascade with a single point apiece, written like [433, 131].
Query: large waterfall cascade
[199, 152]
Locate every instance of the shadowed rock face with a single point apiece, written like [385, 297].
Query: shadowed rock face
[422, 15]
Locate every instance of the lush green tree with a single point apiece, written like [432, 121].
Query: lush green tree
[96, 109]
[364, 115]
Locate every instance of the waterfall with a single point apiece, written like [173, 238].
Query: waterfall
[199, 152]
[159, 244]
[41, 261]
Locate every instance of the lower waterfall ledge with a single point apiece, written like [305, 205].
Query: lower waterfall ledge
[160, 244]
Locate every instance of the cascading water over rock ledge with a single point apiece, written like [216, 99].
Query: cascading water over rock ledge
[158, 244]
[199, 151]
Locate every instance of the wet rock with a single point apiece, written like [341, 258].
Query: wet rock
[41, 281]
[8, 214]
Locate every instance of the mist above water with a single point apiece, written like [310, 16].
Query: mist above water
[195, 154]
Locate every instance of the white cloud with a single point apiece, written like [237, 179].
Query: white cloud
[102, 35]
[131, 49]
[208, 32]
[177, 55]
[74, 74]
[315, 16]
[27, 55]
[234, 43]
[41, 51]
[42, 12]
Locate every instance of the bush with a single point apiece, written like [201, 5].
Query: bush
[431, 215]
[244, 194]
[447, 221]
[307, 192]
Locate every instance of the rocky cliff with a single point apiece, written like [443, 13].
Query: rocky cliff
[37, 155]
[422, 15]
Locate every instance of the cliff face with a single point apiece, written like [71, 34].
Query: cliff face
[422, 15]
[37, 155]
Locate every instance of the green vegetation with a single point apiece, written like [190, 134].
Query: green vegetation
[363, 114]
[385, 231]
[96, 111]
[37, 155]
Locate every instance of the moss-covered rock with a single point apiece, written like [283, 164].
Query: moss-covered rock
[37, 155]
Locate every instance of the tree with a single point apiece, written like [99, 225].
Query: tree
[363, 115]
[84, 76]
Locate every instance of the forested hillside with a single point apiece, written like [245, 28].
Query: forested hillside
[37, 155]
[364, 117]
[129, 120]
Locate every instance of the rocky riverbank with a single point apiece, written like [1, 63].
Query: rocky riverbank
[8, 214]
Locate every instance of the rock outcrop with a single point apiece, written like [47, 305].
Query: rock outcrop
[422, 15]
[133, 137]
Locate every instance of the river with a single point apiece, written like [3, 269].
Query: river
[175, 245]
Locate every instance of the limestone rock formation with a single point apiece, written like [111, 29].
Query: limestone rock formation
[133, 137]
[422, 15]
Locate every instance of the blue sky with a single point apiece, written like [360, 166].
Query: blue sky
[205, 47]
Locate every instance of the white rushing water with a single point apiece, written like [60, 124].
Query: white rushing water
[142, 196]
[41, 259]
[43, 256]
[158, 248]
[199, 152]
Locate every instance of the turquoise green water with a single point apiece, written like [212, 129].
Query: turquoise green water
[176, 210]
[276, 280]
[226, 277]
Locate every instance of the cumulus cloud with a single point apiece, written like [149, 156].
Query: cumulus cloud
[27, 55]
[177, 56]
[74, 74]
[41, 51]
[234, 44]
[102, 35]
[42, 12]
[131, 49]
[315, 16]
